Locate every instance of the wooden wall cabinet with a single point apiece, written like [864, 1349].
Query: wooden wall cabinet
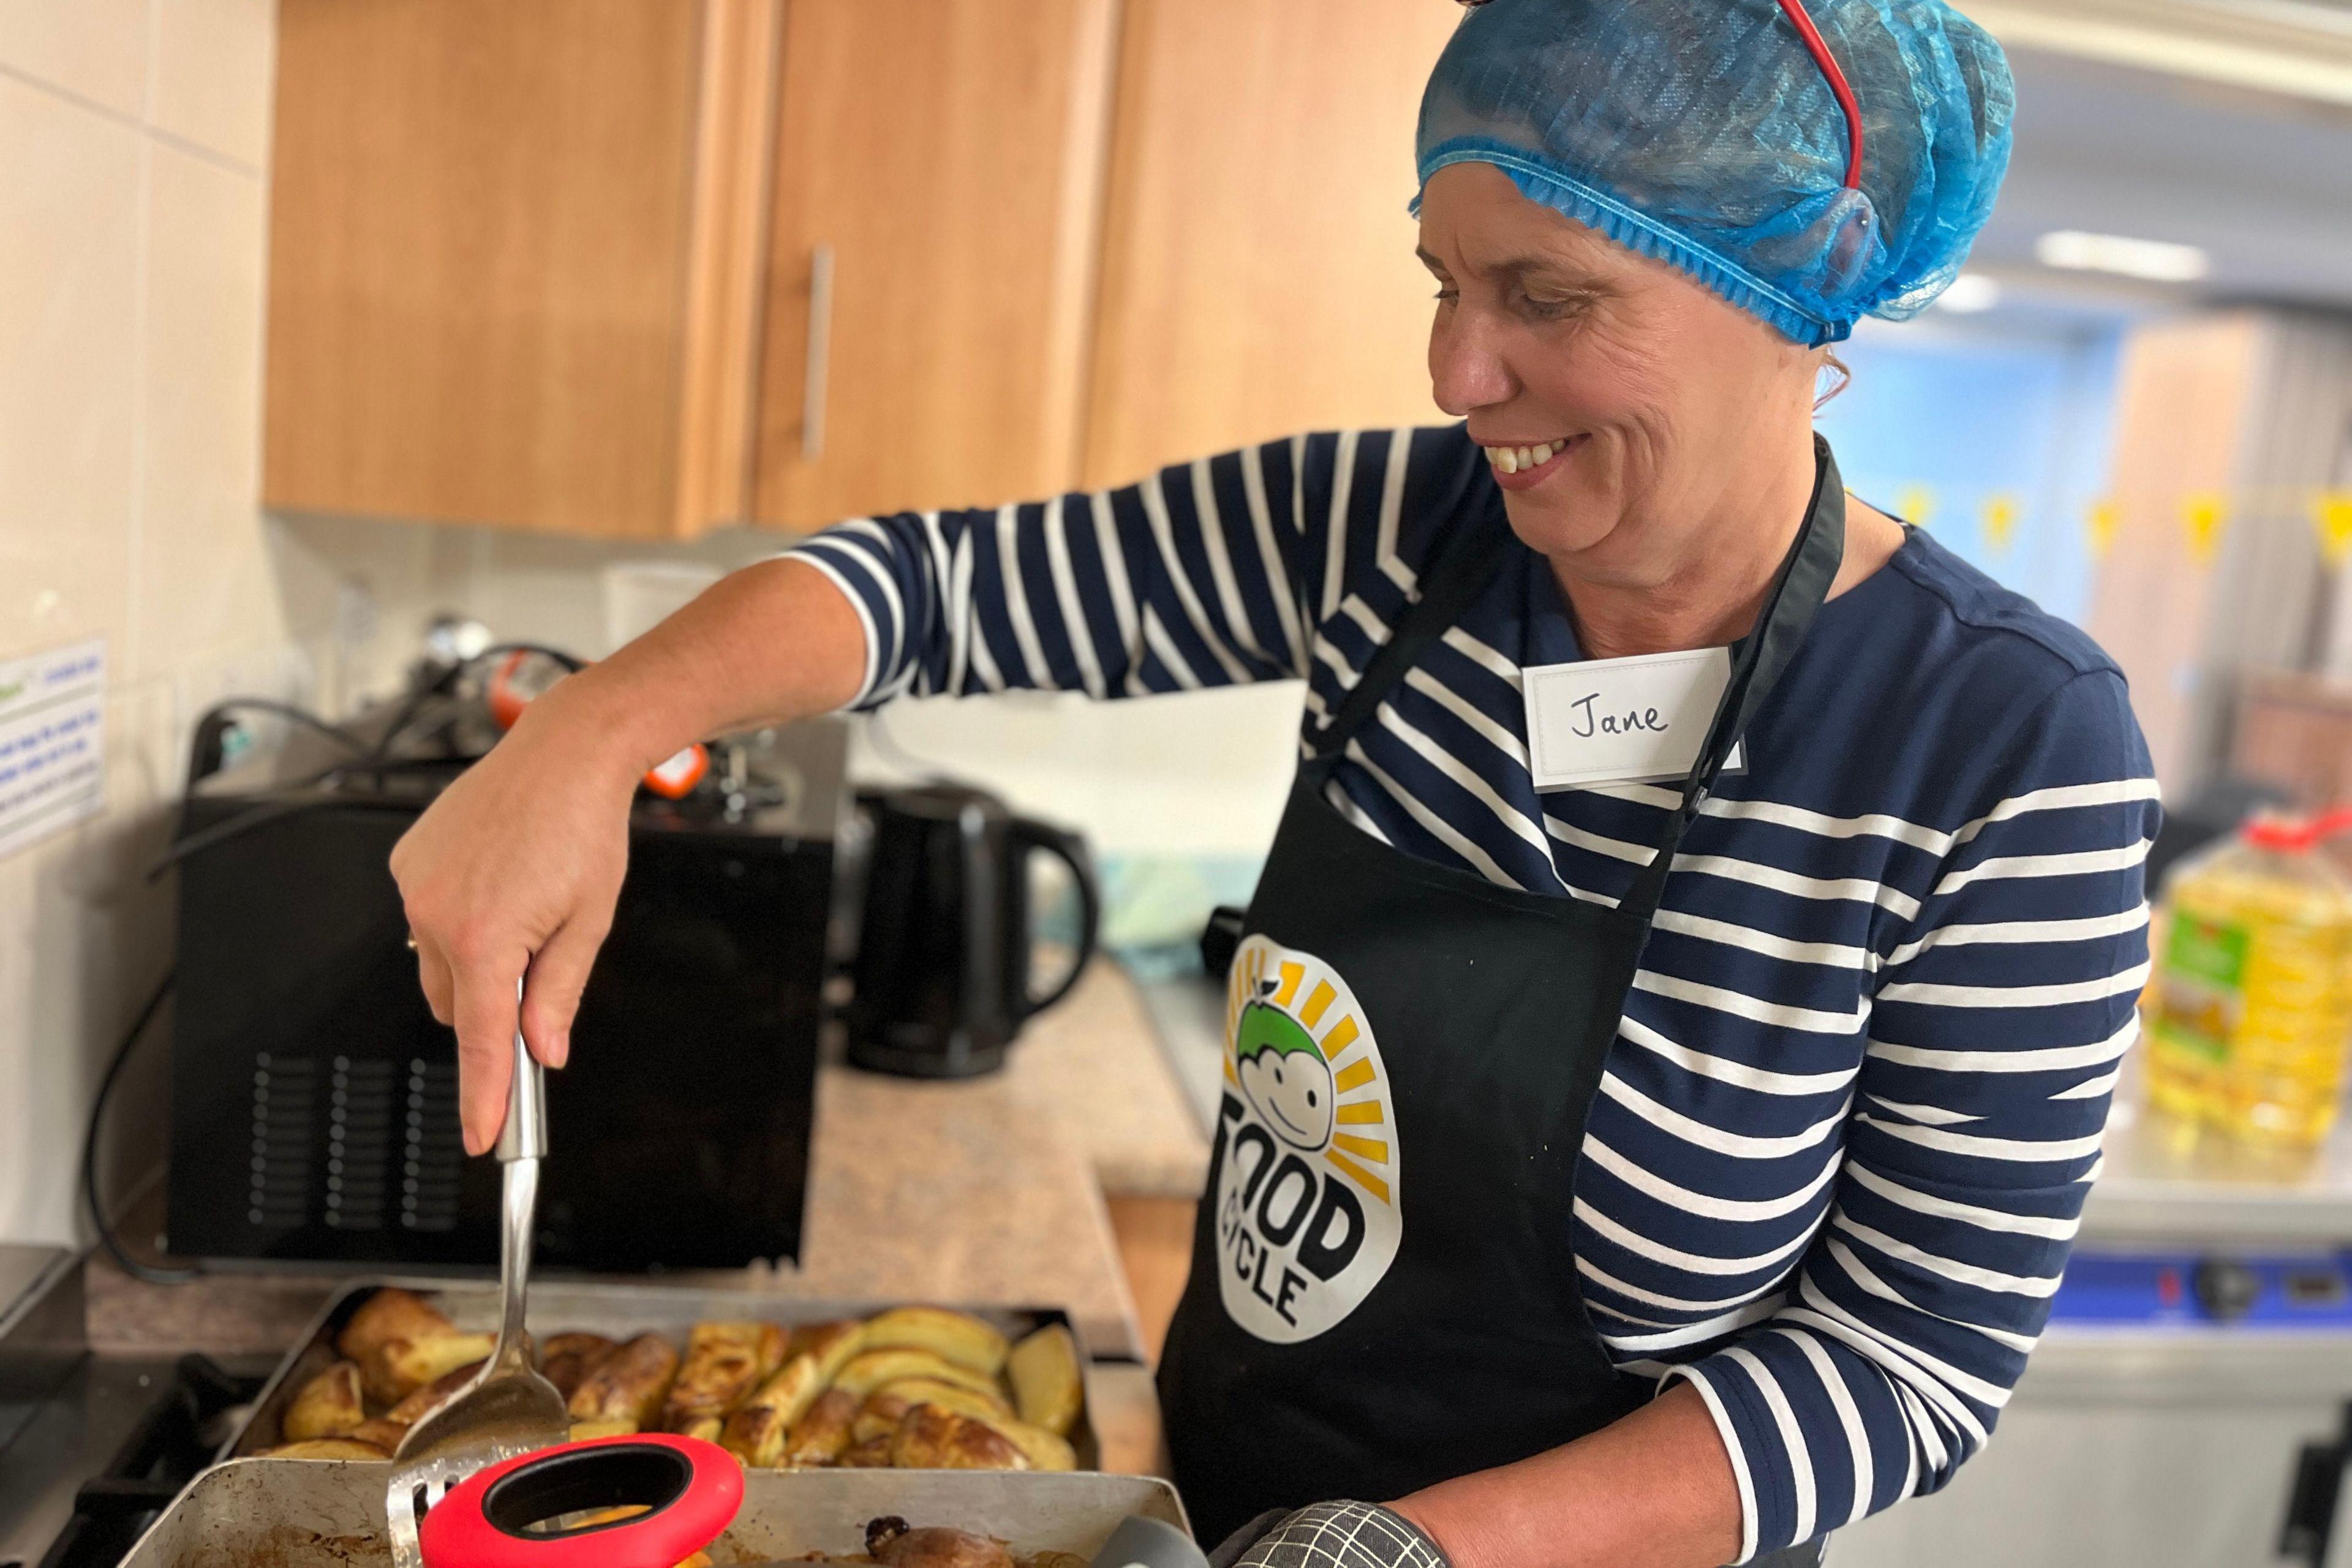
[1258, 276]
[546, 264]
[637, 269]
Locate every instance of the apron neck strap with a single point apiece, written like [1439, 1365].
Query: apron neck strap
[1461, 574]
[1798, 590]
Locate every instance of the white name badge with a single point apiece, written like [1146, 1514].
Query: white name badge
[1624, 721]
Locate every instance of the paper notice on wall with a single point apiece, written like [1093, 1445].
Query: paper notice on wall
[52, 742]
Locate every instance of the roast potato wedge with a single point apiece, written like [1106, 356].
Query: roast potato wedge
[879, 1417]
[421, 1403]
[391, 1314]
[830, 1344]
[869, 1370]
[869, 1456]
[930, 1438]
[630, 1383]
[1044, 1450]
[958, 1337]
[327, 1448]
[947, 1395]
[327, 1407]
[395, 1369]
[756, 1432]
[583, 1430]
[724, 1362]
[820, 1437]
[384, 1433]
[1048, 1386]
[565, 1359]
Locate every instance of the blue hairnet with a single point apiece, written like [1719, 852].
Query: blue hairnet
[1704, 134]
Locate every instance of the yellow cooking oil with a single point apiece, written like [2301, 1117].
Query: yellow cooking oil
[2250, 1017]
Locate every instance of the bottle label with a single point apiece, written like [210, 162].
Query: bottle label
[2203, 994]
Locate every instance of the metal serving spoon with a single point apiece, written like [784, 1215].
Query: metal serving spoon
[506, 1408]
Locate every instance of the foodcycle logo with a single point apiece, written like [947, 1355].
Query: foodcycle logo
[1308, 1169]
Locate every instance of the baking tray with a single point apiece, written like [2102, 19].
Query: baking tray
[616, 1312]
[311, 1513]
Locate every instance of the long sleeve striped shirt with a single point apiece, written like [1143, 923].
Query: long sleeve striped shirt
[1844, 1132]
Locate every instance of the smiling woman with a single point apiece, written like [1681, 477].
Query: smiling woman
[1751, 1086]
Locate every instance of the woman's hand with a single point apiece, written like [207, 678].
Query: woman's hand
[514, 871]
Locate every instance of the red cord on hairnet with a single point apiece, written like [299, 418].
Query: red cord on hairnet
[1820, 50]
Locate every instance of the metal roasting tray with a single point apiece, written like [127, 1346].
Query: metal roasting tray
[617, 1311]
[310, 1513]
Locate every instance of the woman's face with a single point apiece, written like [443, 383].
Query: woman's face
[1663, 405]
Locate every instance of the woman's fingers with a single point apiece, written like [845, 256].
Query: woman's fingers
[432, 973]
[485, 1031]
[559, 974]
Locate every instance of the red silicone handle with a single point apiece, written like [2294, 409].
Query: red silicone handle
[691, 1488]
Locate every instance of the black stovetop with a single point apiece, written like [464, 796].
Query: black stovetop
[114, 1443]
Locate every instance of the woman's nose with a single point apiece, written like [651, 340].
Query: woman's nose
[1467, 369]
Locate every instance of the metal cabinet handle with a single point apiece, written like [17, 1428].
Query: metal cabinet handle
[820, 354]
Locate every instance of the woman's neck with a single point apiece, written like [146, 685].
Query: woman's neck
[1713, 590]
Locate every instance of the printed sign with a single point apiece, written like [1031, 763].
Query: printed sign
[1624, 721]
[52, 742]
[1309, 1172]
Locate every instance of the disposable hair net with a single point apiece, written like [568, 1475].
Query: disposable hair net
[1706, 135]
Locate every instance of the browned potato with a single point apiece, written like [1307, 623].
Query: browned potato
[820, 1437]
[398, 1368]
[327, 1448]
[630, 1383]
[948, 1396]
[829, 1344]
[870, 1370]
[958, 1337]
[583, 1430]
[384, 1433]
[873, 1455]
[879, 1417]
[930, 1438]
[391, 1314]
[565, 1359]
[724, 1362]
[327, 1407]
[1044, 1450]
[421, 1403]
[1047, 1382]
[755, 1433]
[890, 1544]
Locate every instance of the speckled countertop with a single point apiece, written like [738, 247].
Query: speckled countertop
[989, 1191]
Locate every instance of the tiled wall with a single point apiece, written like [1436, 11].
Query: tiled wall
[133, 135]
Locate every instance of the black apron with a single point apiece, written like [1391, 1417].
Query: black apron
[1383, 1292]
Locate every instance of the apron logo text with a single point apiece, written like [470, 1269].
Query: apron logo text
[1308, 1168]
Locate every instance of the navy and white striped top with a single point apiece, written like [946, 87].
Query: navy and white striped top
[1855, 1101]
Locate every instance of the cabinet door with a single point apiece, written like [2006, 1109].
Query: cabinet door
[513, 268]
[938, 165]
[1258, 274]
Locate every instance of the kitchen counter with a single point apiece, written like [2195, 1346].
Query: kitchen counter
[990, 1191]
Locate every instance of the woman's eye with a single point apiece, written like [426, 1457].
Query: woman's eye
[1447, 295]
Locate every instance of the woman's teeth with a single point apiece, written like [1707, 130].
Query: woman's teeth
[1512, 459]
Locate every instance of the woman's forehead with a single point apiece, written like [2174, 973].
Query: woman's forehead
[1474, 220]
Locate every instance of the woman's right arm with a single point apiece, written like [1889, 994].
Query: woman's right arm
[1210, 574]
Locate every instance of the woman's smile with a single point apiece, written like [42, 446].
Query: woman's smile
[1522, 465]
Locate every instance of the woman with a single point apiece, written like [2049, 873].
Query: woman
[1587, 1212]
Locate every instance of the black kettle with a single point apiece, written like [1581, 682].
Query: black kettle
[942, 972]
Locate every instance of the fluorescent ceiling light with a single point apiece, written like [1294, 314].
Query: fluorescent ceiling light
[1970, 292]
[2155, 259]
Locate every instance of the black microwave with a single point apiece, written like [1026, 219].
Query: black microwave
[313, 1112]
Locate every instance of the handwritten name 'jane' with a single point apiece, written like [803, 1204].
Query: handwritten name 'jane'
[1633, 721]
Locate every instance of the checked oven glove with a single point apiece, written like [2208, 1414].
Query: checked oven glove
[1329, 1535]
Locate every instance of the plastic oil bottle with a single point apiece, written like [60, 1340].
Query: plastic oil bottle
[2250, 1014]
